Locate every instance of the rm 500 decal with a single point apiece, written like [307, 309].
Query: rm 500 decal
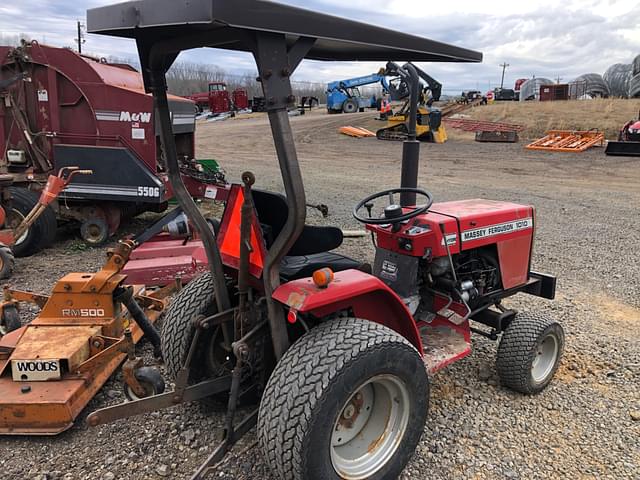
[83, 312]
[149, 192]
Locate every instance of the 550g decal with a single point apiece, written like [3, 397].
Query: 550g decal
[149, 192]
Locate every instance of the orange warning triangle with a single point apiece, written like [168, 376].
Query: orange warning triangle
[229, 236]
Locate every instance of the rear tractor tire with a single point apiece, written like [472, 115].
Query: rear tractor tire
[347, 400]
[529, 352]
[210, 361]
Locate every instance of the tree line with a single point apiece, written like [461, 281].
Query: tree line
[186, 78]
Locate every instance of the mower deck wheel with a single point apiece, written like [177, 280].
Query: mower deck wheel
[150, 379]
[7, 262]
[10, 320]
[529, 352]
[347, 400]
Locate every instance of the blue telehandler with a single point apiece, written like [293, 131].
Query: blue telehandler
[344, 95]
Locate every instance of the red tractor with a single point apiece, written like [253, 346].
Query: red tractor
[337, 353]
[628, 144]
[218, 100]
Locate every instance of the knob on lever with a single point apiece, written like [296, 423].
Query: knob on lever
[369, 207]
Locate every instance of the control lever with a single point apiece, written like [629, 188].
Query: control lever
[369, 207]
[446, 245]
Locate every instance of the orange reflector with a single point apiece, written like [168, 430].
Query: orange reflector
[292, 316]
[323, 277]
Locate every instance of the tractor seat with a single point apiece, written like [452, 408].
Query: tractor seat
[312, 249]
[301, 266]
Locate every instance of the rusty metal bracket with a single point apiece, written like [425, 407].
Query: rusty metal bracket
[233, 433]
[117, 346]
[157, 402]
[11, 295]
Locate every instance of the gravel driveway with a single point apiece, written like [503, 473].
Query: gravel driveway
[586, 424]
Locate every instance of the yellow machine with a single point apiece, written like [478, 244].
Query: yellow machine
[428, 129]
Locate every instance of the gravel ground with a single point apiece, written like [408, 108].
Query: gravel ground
[586, 424]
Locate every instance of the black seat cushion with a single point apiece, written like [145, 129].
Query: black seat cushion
[301, 266]
[272, 210]
[310, 252]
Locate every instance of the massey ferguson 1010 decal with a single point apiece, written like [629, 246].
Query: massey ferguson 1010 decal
[500, 229]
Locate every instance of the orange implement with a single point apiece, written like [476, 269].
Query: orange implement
[567, 141]
[356, 132]
[51, 368]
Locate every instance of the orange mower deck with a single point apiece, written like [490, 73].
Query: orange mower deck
[567, 141]
[51, 368]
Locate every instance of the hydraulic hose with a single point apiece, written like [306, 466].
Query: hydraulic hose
[124, 295]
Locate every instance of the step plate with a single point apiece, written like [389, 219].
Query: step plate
[444, 343]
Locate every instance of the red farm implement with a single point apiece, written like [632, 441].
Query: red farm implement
[60, 109]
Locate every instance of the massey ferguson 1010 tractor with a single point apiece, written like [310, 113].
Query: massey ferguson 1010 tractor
[338, 354]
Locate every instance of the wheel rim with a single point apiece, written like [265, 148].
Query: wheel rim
[14, 218]
[370, 427]
[94, 233]
[545, 359]
[149, 390]
[219, 360]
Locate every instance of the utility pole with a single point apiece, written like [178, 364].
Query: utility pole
[80, 39]
[504, 67]
[558, 79]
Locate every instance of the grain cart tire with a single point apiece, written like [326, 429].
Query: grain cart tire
[150, 379]
[7, 262]
[350, 106]
[177, 331]
[529, 352]
[94, 231]
[347, 400]
[43, 231]
[10, 320]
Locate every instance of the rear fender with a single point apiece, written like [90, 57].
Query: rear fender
[364, 294]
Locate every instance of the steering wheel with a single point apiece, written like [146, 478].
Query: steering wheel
[393, 213]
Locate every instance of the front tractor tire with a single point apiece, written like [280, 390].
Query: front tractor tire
[347, 400]
[529, 352]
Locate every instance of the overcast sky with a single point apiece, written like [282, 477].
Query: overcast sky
[546, 39]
